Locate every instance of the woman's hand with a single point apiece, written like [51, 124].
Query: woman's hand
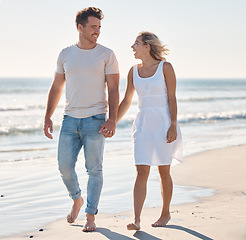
[108, 128]
[172, 133]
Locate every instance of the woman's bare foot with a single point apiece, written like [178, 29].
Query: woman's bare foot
[162, 221]
[134, 226]
[90, 225]
[77, 204]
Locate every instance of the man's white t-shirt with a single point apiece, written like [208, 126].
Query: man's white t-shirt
[85, 72]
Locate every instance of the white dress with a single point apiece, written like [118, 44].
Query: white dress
[153, 121]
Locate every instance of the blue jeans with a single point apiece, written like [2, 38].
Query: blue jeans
[75, 133]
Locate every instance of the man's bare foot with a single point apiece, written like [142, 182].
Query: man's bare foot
[162, 221]
[77, 204]
[90, 225]
[134, 226]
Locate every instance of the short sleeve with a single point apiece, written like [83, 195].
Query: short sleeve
[112, 64]
[59, 67]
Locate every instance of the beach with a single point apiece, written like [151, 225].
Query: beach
[211, 114]
[219, 216]
[209, 185]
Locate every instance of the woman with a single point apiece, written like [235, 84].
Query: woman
[156, 134]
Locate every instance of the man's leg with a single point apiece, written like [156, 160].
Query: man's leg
[68, 149]
[93, 150]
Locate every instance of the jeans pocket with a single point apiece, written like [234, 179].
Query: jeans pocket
[99, 117]
[69, 124]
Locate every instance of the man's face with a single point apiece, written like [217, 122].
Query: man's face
[91, 30]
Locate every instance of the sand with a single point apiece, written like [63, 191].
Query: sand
[221, 216]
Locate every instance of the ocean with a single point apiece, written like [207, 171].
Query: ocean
[211, 113]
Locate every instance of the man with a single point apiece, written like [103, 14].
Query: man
[86, 68]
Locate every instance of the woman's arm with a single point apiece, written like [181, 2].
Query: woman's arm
[126, 102]
[170, 79]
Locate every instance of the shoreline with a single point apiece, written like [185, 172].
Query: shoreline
[220, 216]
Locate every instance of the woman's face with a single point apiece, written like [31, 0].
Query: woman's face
[139, 48]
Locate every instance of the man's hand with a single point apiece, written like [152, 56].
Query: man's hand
[108, 128]
[48, 128]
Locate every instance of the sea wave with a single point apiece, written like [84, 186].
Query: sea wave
[212, 117]
[197, 117]
[27, 131]
[24, 150]
[27, 158]
[209, 99]
[25, 108]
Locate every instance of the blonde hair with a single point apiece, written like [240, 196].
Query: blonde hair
[157, 49]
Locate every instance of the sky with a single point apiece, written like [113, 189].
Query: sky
[206, 39]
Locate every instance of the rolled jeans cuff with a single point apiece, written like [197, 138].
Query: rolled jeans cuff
[76, 196]
[91, 210]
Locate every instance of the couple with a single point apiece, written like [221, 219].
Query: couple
[87, 68]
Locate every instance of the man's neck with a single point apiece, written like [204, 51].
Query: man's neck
[86, 45]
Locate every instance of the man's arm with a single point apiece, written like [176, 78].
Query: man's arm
[54, 96]
[108, 128]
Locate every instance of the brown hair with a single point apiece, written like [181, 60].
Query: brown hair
[82, 16]
[157, 49]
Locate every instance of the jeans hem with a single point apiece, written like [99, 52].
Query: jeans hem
[91, 211]
[76, 196]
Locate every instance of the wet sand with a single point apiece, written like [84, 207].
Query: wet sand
[221, 216]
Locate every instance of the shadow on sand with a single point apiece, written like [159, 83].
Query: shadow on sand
[141, 235]
[113, 235]
[108, 233]
[145, 236]
[192, 232]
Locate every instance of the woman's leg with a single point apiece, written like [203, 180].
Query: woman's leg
[166, 191]
[139, 194]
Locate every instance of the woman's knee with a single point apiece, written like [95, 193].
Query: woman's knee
[143, 172]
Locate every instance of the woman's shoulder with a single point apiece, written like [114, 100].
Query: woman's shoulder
[167, 66]
[166, 63]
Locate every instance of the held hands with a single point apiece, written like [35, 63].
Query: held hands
[108, 128]
[172, 133]
[48, 128]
